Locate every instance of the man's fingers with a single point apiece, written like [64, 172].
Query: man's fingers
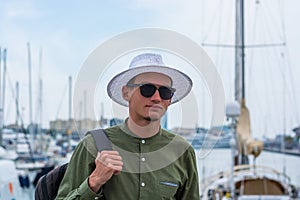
[115, 167]
[117, 161]
[111, 159]
[109, 152]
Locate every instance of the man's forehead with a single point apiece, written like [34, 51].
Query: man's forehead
[153, 77]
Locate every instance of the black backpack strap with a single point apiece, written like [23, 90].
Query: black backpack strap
[101, 140]
[48, 185]
[44, 187]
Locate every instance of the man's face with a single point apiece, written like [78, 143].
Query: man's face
[148, 108]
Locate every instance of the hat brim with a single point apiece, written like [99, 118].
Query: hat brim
[181, 82]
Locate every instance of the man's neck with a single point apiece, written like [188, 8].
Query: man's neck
[143, 128]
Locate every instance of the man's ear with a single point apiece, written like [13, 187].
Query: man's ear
[125, 93]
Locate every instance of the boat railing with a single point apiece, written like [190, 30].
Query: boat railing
[248, 170]
[260, 170]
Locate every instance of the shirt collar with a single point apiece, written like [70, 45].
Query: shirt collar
[126, 130]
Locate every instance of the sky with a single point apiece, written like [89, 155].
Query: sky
[64, 33]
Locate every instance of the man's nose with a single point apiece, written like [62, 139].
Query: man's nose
[156, 96]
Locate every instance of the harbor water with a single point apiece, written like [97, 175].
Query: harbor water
[217, 160]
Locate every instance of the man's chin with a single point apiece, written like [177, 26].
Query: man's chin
[152, 119]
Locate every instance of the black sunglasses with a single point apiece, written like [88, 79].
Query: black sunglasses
[148, 90]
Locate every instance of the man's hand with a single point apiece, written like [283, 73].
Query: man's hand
[108, 163]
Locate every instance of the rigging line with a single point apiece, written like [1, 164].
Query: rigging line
[265, 62]
[279, 60]
[283, 63]
[272, 22]
[288, 64]
[284, 85]
[38, 111]
[276, 17]
[291, 86]
[61, 100]
[201, 19]
[4, 81]
[251, 57]
[277, 63]
[13, 95]
[246, 46]
[283, 67]
[280, 64]
[217, 20]
[269, 86]
[8, 107]
[0, 83]
[292, 79]
[221, 58]
[250, 60]
[266, 45]
[282, 21]
[285, 73]
[218, 38]
[209, 29]
[267, 106]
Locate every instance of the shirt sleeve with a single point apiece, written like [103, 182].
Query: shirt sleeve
[74, 184]
[190, 190]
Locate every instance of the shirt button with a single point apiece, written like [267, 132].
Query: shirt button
[143, 184]
[96, 198]
[143, 159]
[143, 141]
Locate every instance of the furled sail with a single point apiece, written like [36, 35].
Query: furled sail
[246, 144]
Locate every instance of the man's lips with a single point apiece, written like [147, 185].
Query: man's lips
[155, 106]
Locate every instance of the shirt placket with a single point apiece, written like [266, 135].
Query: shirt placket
[142, 164]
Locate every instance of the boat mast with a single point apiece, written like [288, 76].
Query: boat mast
[70, 98]
[17, 104]
[29, 79]
[239, 52]
[2, 102]
[69, 131]
[40, 98]
[1, 111]
[246, 145]
[30, 127]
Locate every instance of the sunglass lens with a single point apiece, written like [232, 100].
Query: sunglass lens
[165, 93]
[147, 90]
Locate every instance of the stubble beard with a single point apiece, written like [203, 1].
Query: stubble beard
[153, 117]
[149, 119]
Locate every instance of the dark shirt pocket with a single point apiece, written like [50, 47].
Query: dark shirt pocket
[168, 189]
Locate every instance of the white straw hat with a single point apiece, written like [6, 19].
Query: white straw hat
[149, 62]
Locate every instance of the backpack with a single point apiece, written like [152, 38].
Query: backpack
[47, 185]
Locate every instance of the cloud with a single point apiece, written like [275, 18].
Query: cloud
[68, 38]
[19, 10]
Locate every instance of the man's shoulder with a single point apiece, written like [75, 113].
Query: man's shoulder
[107, 131]
[88, 143]
[179, 145]
[112, 129]
[168, 133]
[175, 137]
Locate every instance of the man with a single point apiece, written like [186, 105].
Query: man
[146, 162]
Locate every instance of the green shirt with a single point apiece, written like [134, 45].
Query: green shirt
[159, 167]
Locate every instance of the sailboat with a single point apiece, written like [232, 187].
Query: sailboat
[244, 181]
